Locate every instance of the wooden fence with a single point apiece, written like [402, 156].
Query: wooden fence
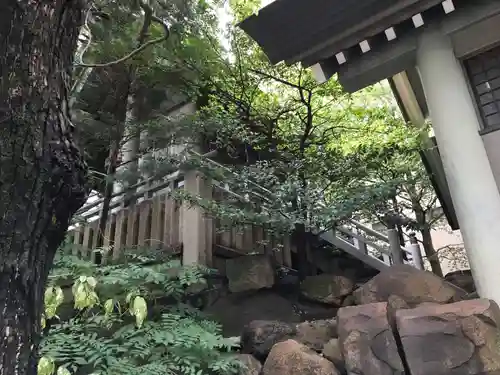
[158, 221]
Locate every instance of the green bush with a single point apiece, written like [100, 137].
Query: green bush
[131, 318]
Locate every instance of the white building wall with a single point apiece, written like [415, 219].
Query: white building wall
[472, 184]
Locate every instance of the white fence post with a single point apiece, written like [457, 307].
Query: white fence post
[416, 254]
[358, 242]
[395, 246]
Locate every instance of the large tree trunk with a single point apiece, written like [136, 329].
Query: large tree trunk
[42, 173]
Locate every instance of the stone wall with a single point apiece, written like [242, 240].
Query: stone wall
[402, 321]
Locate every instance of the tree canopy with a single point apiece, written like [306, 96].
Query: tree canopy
[323, 155]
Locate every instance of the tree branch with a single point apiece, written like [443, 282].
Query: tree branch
[277, 79]
[135, 51]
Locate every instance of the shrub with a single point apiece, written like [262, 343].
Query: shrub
[130, 318]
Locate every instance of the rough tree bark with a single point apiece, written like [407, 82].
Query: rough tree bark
[430, 251]
[425, 230]
[42, 174]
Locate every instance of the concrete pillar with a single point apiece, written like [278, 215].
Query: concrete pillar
[474, 191]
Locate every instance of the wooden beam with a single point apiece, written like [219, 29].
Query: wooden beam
[171, 223]
[157, 221]
[287, 251]
[132, 227]
[194, 222]
[144, 223]
[120, 233]
[77, 239]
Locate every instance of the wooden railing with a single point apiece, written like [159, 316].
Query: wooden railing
[374, 248]
[371, 247]
[157, 220]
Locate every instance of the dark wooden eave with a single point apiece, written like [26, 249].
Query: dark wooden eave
[300, 30]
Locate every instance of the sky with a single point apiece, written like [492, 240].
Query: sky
[225, 16]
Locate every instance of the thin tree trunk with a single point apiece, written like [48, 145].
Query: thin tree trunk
[129, 161]
[425, 230]
[79, 85]
[42, 174]
[108, 193]
[132, 144]
[395, 207]
[123, 123]
[430, 252]
[301, 242]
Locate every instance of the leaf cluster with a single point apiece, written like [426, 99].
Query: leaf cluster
[132, 318]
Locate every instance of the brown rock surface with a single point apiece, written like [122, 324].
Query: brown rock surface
[292, 358]
[349, 301]
[250, 272]
[459, 338]
[260, 336]
[333, 352]
[250, 365]
[235, 311]
[325, 288]
[413, 286]
[396, 303]
[316, 334]
[367, 341]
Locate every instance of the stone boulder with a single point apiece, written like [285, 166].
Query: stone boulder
[459, 338]
[463, 279]
[249, 364]
[338, 262]
[413, 286]
[473, 295]
[249, 272]
[260, 336]
[328, 289]
[367, 341]
[333, 352]
[316, 334]
[395, 303]
[235, 311]
[292, 358]
[349, 301]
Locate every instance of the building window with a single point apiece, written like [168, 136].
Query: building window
[484, 75]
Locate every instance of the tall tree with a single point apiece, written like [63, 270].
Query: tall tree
[279, 129]
[389, 151]
[42, 174]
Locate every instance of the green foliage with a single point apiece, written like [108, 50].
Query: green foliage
[294, 138]
[244, 9]
[321, 155]
[131, 318]
[163, 73]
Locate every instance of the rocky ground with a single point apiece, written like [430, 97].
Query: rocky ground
[402, 321]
